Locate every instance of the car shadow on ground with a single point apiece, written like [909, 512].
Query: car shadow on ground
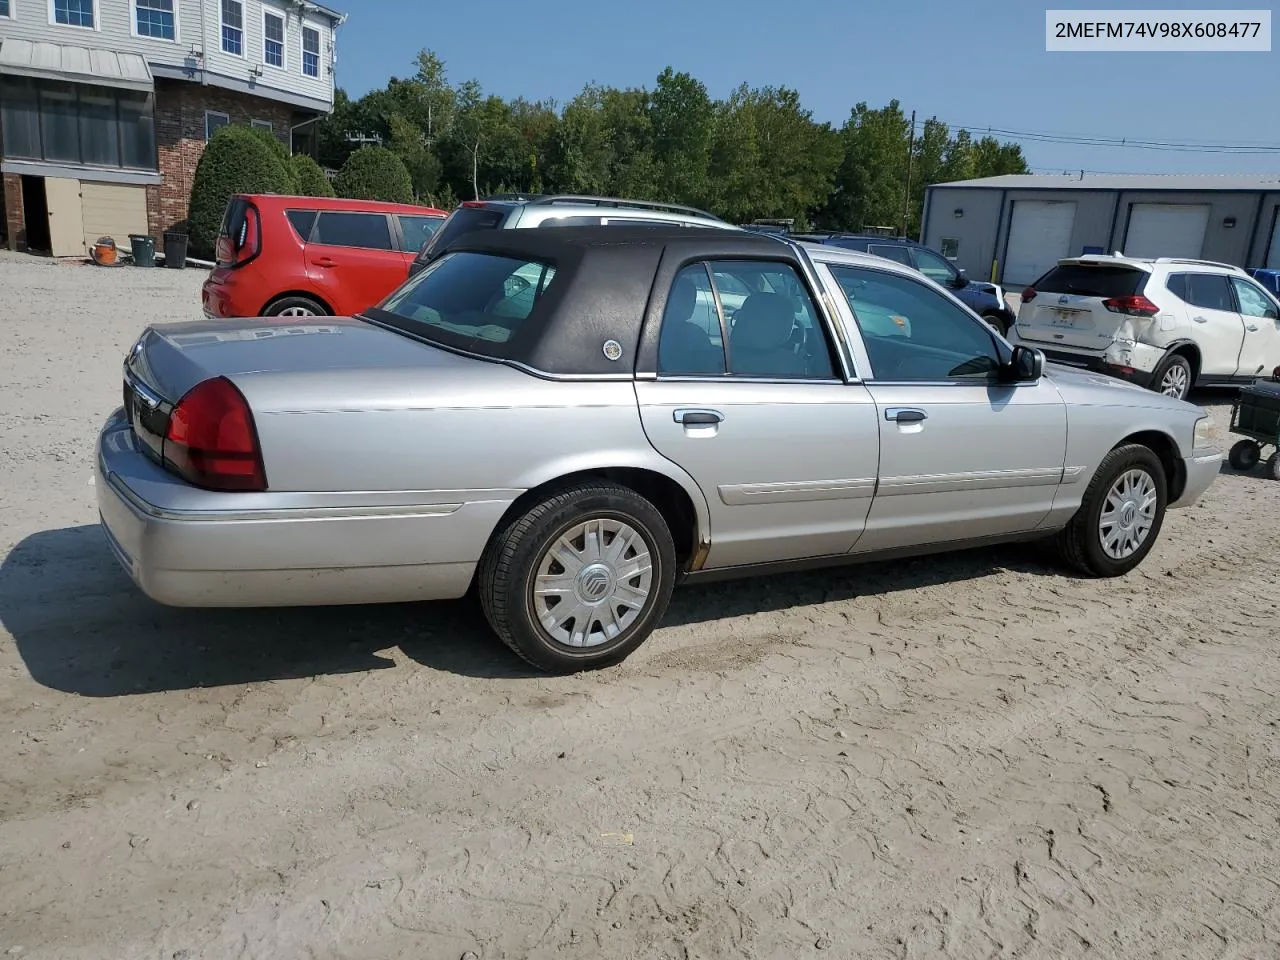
[81, 626]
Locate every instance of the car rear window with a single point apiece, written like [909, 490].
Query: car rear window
[470, 300]
[462, 221]
[368, 231]
[302, 221]
[1086, 280]
[890, 252]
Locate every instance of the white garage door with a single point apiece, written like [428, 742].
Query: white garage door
[112, 210]
[1166, 229]
[1039, 236]
[1273, 251]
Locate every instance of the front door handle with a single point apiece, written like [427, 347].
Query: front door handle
[698, 418]
[905, 414]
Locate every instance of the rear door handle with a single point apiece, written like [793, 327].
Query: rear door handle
[1199, 319]
[699, 417]
[1252, 327]
[905, 414]
[324, 262]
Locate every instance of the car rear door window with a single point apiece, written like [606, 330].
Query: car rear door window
[1210, 291]
[302, 221]
[367, 231]
[911, 331]
[416, 231]
[462, 221]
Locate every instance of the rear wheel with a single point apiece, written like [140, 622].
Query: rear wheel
[580, 580]
[1173, 377]
[1121, 514]
[1273, 466]
[1244, 455]
[295, 307]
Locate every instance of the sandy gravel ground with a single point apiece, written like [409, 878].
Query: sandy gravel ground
[972, 756]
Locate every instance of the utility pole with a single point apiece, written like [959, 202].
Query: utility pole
[906, 193]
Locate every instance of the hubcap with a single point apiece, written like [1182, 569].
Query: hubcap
[296, 312]
[592, 582]
[1174, 381]
[1128, 514]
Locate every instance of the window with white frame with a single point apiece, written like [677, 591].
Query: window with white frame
[262, 124]
[6, 8]
[310, 51]
[233, 27]
[73, 13]
[272, 39]
[155, 19]
[213, 122]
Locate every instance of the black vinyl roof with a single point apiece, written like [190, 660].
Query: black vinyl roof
[608, 280]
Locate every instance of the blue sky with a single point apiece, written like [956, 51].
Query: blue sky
[976, 64]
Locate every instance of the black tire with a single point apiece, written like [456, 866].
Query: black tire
[1169, 369]
[314, 308]
[1244, 455]
[1273, 466]
[997, 321]
[510, 566]
[1079, 544]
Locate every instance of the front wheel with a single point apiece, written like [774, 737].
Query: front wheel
[580, 580]
[1121, 514]
[1244, 455]
[996, 323]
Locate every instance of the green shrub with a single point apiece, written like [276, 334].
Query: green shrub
[236, 160]
[280, 152]
[374, 173]
[310, 179]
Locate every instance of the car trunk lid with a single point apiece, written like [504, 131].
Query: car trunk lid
[1078, 304]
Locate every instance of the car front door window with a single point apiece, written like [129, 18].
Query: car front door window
[911, 332]
[936, 268]
[1253, 302]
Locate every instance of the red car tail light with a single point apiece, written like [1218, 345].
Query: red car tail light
[1028, 294]
[243, 241]
[1135, 306]
[212, 440]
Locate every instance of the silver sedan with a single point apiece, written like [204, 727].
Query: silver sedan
[570, 422]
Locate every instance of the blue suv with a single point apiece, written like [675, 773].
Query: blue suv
[985, 299]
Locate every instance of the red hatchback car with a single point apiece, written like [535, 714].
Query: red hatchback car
[312, 256]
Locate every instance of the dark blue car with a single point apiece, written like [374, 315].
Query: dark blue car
[985, 299]
[1268, 278]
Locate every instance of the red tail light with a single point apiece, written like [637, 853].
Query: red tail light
[1135, 306]
[212, 440]
[472, 203]
[243, 243]
[1028, 294]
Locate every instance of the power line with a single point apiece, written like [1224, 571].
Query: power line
[1173, 146]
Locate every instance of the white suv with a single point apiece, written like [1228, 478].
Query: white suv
[1166, 324]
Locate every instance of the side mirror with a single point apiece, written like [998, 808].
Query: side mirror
[960, 280]
[1026, 365]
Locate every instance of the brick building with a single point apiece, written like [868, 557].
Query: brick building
[106, 105]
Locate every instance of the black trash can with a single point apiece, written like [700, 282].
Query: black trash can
[144, 250]
[175, 250]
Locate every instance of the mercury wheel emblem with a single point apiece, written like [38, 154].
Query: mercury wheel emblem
[594, 585]
[612, 350]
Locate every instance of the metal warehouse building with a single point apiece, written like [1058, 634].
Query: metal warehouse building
[1013, 228]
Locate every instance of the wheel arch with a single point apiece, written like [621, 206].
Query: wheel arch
[307, 294]
[1189, 349]
[1166, 449]
[676, 496]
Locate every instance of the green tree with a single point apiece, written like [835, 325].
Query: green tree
[408, 142]
[309, 179]
[234, 161]
[683, 120]
[374, 173]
